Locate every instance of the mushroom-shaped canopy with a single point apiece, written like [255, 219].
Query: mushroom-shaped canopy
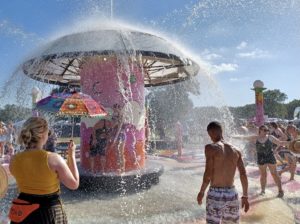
[60, 61]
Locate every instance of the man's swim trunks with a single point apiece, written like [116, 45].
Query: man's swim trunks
[222, 205]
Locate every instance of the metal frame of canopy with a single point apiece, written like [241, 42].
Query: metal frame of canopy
[60, 61]
[62, 69]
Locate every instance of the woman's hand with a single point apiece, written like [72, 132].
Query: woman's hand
[71, 148]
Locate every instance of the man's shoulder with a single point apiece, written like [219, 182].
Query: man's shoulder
[228, 144]
[211, 146]
[232, 147]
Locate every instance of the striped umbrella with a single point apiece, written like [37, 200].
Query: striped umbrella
[74, 104]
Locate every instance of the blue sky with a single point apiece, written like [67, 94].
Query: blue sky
[240, 41]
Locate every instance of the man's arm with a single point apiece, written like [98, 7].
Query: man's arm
[244, 182]
[243, 175]
[207, 173]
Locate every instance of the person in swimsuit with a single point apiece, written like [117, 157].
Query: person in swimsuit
[10, 137]
[288, 155]
[118, 136]
[222, 160]
[266, 158]
[98, 145]
[279, 151]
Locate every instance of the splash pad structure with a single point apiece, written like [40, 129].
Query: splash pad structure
[113, 66]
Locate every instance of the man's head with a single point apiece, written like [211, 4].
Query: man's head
[214, 130]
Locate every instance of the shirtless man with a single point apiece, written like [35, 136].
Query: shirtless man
[222, 159]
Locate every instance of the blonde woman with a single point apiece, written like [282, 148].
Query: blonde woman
[38, 174]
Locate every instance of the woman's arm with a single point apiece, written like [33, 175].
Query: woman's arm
[67, 172]
[247, 137]
[277, 141]
[282, 136]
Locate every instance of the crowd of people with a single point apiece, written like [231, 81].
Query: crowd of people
[39, 198]
[272, 144]
[9, 144]
[7, 139]
[276, 133]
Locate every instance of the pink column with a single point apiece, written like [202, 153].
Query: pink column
[259, 102]
[119, 87]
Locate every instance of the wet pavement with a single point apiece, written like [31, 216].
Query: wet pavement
[173, 199]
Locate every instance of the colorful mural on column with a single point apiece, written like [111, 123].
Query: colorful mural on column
[259, 102]
[114, 144]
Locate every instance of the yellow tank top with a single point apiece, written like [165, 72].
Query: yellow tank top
[33, 174]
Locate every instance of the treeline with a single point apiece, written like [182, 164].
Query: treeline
[274, 106]
[14, 113]
[170, 104]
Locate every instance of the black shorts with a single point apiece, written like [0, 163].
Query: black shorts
[98, 149]
[263, 159]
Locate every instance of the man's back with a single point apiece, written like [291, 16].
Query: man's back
[222, 160]
[225, 158]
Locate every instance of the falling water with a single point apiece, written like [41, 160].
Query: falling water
[173, 199]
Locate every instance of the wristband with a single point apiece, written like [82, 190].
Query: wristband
[244, 197]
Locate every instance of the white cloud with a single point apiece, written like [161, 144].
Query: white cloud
[240, 79]
[209, 56]
[224, 67]
[9, 29]
[257, 53]
[242, 45]
[233, 79]
[212, 56]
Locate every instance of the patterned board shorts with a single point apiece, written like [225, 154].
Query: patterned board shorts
[222, 205]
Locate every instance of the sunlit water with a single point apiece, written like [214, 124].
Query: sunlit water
[173, 199]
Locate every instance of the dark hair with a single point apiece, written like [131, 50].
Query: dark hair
[214, 125]
[274, 125]
[263, 127]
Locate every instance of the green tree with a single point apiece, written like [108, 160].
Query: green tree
[291, 106]
[12, 112]
[274, 103]
[243, 112]
[167, 105]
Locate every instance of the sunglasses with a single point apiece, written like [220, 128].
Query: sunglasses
[265, 130]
